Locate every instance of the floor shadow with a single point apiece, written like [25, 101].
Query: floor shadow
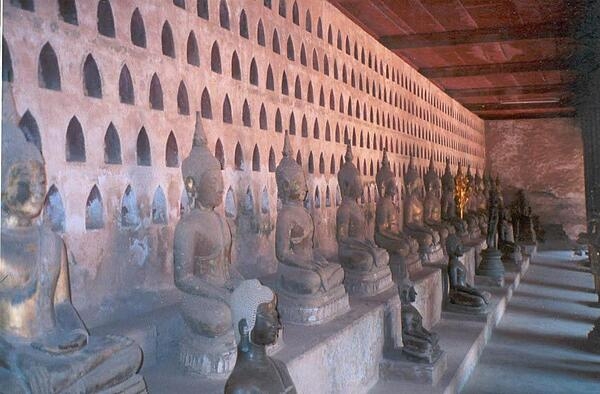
[562, 286]
[549, 313]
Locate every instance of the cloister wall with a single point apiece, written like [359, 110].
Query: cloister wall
[114, 111]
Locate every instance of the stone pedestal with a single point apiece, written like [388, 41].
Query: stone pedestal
[312, 309]
[436, 254]
[489, 281]
[213, 358]
[366, 284]
[406, 368]
[491, 266]
[429, 288]
[459, 312]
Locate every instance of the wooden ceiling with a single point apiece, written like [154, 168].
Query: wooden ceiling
[502, 59]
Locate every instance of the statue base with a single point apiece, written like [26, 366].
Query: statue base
[491, 264]
[312, 309]
[212, 358]
[398, 265]
[436, 254]
[367, 284]
[133, 385]
[457, 311]
[409, 368]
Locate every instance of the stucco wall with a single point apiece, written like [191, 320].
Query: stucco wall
[545, 158]
[364, 94]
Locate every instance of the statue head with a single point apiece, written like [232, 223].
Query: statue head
[432, 180]
[454, 246]
[201, 172]
[479, 186]
[385, 179]
[257, 306]
[408, 294]
[291, 182]
[23, 173]
[349, 177]
[412, 181]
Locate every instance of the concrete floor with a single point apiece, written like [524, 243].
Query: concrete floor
[540, 345]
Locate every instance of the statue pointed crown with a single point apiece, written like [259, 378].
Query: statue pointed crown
[384, 175]
[348, 156]
[431, 177]
[200, 160]
[411, 174]
[287, 171]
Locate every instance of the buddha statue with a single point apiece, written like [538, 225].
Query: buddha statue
[414, 225]
[432, 205]
[420, 344]
[366, 265]
[256, 321]
[462, 296]
[481, 207]
[471, 209]
[309, 287]
[44, 345]
[448, 203]
[522, 217]
[506, 240]
[203, 271]
[491, 264]
[403, 249]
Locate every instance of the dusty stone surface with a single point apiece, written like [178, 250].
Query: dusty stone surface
[414, 371]
[545, 158]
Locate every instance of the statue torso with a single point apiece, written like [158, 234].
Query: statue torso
[388, 215]
[212, 244]
[413, 210]
[299, 224]
[30, 266]
[356, 220]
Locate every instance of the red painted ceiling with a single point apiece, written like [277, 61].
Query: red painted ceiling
[502, 59]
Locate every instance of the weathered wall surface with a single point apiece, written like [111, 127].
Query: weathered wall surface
[545, 158]
[261, 70]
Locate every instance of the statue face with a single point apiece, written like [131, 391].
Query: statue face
[412, 294]
[297, 189]
[210, 189]
[267, 324]
[391, 189]
[25, 189]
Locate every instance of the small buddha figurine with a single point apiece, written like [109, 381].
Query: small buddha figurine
[255, 317]
[506, 239]
[449, 203]
[402, 248]
[432, 205]
[413, 212]
[419, 343]
[203, 271]
[357, 253]
[306, 280]
[462, 296]
[44, 345]
[522, 216]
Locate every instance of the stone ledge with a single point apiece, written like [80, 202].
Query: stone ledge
[406, 369]
[463, 342]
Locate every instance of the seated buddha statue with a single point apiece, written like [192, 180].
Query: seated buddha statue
[432, 206]
[203, 271]
[306, 280]
[256, 322]
[471, 214]
[414, 225]
[482, 198]
[462, 296]
[44, 345]
[448, 203]
[402, 249]
[419, 343]
[358, 254]
[521, 212]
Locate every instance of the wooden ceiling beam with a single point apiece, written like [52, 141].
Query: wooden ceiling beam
[475, 36]
[558, 88]
[474, 70]
[518, 106]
